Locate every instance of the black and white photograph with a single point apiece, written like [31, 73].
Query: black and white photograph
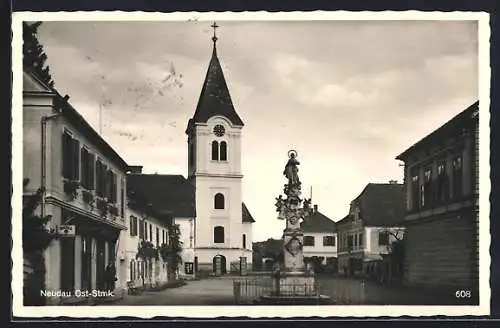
[241, 164]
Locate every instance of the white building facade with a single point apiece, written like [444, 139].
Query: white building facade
[320, 239]
[223, 229]
[142, 227]
[85, 185]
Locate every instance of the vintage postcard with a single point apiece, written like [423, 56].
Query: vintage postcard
[324, 164]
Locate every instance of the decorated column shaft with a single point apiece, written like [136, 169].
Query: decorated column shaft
[293, 210]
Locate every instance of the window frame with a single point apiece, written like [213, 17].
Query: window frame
[386, 235]
[309, 241]
[219, 234]
[329, 241]
[219, 201]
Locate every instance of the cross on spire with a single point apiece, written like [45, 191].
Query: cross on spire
[214, 26]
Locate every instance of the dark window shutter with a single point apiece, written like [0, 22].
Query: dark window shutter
[66, 155]
[115, 187]
[141, 229]
[76, 160]
[91, 168]
[98, 173]
[104, 181]
[83, 168]
[122, 200]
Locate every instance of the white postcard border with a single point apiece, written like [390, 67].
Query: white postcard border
[249, 311]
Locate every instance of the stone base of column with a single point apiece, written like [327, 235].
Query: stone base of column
[295, 287]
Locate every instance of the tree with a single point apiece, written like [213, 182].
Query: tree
[395, 257]
[36, 239]
[34, 57]
[147, 252]
[171, 252]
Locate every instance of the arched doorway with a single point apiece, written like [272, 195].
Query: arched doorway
[219, 264]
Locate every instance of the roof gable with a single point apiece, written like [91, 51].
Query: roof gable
[458, 122]
[31, 83]
[246, 217]
[318, 222]
[167, 194]
[382, 204]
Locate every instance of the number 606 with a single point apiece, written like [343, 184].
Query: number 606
[463, 294]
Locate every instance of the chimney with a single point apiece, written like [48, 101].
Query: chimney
[315, 208]
[135, 169]
[393, 181]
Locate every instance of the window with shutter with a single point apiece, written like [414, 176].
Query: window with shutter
[75, 163]
[141, 229]
[66, 155]
[122, 200]
[104, 179]
[84, 167]
[91, 169]
[98, 174]
[115, 188]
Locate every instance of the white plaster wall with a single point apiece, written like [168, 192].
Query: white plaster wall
[247, 229]
[205, 256]
[204, 137]
[208, 217]
[318, 249]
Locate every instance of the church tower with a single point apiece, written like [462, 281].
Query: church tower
[214, 168]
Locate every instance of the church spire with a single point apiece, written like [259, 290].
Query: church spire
[215, 99]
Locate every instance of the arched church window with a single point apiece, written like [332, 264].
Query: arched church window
[215, 151]
[219, 201]
[219, 235]
[223, 151]
[244, 241]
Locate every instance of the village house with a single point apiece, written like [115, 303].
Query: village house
[85, 185]
[172, 198]
[442, 193]
[374, 222]
[147, 227]
[320, 240]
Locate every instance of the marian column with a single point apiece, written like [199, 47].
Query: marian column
[293, 210]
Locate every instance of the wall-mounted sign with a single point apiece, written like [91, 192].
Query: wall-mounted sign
[66, 230]
[188, 267]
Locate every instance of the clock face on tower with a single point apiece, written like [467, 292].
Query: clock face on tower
[219, 130]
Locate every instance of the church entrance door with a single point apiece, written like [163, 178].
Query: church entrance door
[219, 265]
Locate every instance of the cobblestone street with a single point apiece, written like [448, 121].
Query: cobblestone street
[345, 291]
[215, 291]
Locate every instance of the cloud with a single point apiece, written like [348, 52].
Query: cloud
[348, 95]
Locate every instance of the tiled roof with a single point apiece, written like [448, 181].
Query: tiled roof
[382, 204]
[62, 105]
[246, 216]
[458, 122]
[167, 194]
[318, 222]
[215, 98]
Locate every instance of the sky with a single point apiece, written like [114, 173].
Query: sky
[349, 96]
